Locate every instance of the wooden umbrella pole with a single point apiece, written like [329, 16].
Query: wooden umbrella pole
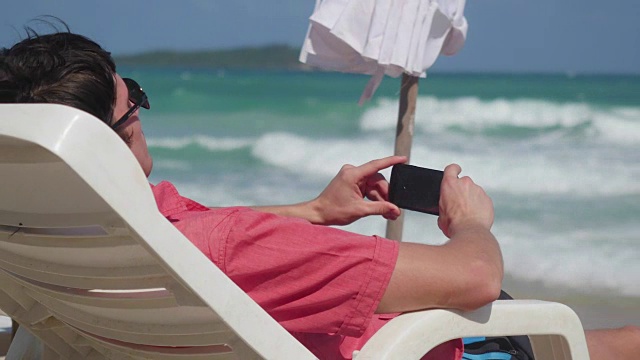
[404, 138]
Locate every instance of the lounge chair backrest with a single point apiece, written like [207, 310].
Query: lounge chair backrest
[90, 266]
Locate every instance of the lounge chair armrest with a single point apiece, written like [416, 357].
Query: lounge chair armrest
[549, 325]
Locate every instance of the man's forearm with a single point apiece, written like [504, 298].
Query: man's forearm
[464, 273]
[478, 244]
[304, 210]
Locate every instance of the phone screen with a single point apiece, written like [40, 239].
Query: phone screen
[415, 188]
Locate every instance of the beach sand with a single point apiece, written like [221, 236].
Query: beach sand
[599, 310]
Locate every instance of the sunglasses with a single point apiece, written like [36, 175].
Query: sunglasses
[137, 97]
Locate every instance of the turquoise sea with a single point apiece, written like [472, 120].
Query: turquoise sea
[559, 154]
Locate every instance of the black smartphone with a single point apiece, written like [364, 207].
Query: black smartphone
[415, 188]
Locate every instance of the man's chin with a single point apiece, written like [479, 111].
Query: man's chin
[148, 172]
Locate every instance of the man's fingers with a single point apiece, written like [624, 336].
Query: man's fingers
[452, 170]
[374, 195]
[374, 166]
[377, 187]
[386, 209]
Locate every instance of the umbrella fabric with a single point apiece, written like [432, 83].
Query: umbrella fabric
[379, 37]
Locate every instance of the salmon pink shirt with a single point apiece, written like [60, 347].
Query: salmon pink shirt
[320, 283]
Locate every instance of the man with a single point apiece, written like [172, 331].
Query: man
[332, 289]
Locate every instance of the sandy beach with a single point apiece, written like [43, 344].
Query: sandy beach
[595, 310]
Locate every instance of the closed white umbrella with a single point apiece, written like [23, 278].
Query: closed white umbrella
[385, 37]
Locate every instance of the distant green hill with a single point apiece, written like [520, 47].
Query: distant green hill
[267, 57]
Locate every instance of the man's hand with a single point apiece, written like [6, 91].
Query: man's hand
[464, 273]
[462, 203]
[343, 200]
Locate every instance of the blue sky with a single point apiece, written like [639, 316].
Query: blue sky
[576, 36]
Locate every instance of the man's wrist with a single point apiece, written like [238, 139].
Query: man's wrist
[467, 225]
[313, 211]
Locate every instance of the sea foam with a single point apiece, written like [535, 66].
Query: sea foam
[525, 173]
[206, 142]
[503, 168]
[614, 124]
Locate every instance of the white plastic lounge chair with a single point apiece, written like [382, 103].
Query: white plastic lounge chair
[91, 268]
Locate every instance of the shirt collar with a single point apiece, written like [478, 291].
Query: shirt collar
[168, 199]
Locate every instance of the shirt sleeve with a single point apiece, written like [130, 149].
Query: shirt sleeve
[310, 278]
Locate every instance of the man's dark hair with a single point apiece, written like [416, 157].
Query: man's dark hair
[62, 68]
